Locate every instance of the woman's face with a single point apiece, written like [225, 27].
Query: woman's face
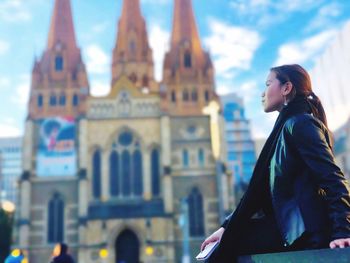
[272, 98]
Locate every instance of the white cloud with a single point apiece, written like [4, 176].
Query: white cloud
[21, 94]
[257, 6]
[9, 120]
[159, 39]
[301, 51]
[232, 47]
[267, 12]
[224, 88]
[4, 83]
[9, 130]
[248, 90]
[101, 27]
[99, 88]
[14, 11]
[325, 17]
[98, 62]
[4, 47]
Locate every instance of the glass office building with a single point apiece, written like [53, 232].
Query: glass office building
[10, 167]
[240, 146]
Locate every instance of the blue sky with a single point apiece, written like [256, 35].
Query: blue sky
[244, 37]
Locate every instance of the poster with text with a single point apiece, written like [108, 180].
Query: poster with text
[56, 153]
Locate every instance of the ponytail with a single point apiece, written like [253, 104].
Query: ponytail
[317, 108]
[318, 111]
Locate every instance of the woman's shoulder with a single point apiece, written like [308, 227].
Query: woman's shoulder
[300, 122]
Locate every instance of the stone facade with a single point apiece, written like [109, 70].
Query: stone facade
[136, 159]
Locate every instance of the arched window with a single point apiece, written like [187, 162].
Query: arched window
[62, 100]
[194, 95]
[59, 63]
[173, 96]
[75, 100]
[201, 159]
[145, 81]
[114, 177]
[53, 100]
[137, 180]
[126, 166]
[196, 214]
[185, 158]
[40, 101]
[55, 223]
[206, 96]
[133, 78]
[132, 46]
[187, 60]
[155, 172]
[96, 174]
[185, 95]
[126, 187]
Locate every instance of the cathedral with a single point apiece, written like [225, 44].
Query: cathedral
[138, 175]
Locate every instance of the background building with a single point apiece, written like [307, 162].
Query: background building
[241, 155]
[10, 167]
[342, 148]
[113, 172]
[330, 77]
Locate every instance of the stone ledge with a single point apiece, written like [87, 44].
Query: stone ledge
[337, 255]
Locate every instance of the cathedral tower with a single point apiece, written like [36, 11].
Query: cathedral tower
[132, 55]
[188, 71]
[59, 85]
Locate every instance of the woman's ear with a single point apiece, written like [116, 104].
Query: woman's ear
[287, 88]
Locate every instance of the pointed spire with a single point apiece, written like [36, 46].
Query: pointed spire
[60, 72]
[62, 29]
[132, 42]
[185, 28]
[188, 72]
[132, 46]
[131, 14]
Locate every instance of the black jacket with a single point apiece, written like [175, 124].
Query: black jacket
[308, 191]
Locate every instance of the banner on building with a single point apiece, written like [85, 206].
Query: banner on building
[56, 153]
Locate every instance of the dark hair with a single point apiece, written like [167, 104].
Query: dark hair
[64, 248]
[50, 126]
[301, 82]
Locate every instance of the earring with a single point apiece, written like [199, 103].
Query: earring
[285, 102]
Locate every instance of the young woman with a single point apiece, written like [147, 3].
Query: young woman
[297, 198]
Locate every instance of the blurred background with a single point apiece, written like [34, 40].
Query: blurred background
[129, 129]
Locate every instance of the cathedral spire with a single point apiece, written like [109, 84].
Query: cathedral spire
[62, 29]
[188, 72]
[131, 13]
[132, 55]
[185, 28]
[59, 84]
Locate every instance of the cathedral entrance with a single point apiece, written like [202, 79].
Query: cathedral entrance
[127, 247]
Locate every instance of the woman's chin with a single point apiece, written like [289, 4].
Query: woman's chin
[267, 110]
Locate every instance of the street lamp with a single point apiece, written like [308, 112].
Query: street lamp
[103, 253]
[149, 250]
